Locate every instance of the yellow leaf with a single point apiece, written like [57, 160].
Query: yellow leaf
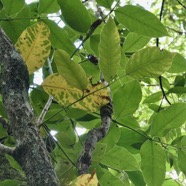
[85, 180]
[34, 46]
[92, 99]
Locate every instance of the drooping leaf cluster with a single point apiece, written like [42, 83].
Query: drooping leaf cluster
[118, 60]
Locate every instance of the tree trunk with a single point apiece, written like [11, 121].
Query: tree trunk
[30, 151]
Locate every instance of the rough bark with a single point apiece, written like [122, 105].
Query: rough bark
[30, 151]
[93, 137]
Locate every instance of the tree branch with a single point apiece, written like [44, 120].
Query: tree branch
[30, 150]
[93, 137]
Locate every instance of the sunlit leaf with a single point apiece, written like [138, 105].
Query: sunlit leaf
[149, 62]
[178, 64]
[75, 15]
[120, 159]
[72, 72]
[140, 21]
[134, 42]
[172, 117]
[109, 50]
[95, 96]
[153, 163]
[127, 98]
[34, 46]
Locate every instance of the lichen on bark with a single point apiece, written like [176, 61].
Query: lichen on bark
[30, 151]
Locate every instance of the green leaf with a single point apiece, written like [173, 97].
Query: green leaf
[127, 98]
[14, 28]
[177, 90]
[157, 96]
[172, 117]
[112, 137]
[153, 163]
[48, 6]
[182, 156]
[136, 178]
[108, 179]
[179, 81]
[105, 3]
[59, 38]
[170, 183]
[109, 50]
[94, 43]
[149, 62]
[12, 7]
[66, 138]
[99, 152]
[178, 64]
[3, 131]
[131, 140]
[72, 72]
[75, 15]
[14, 163]
[134, 42]
[140, 21]
[120, 159]
[9, 182]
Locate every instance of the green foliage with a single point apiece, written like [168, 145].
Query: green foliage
[75, 15]
[134, 42]
[130, 94]
[146, 140]
[172, 117]
[12, 7]
[48, 6]
[135, 19]
[149, 62]
[121, 158]
[109, 50]
[153, 163]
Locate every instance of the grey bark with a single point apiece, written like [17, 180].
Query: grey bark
[30, 151]
[93, 137]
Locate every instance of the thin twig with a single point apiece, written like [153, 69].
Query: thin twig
[92, 29]
[160, 17]
[184, 6]
[157, 44]
[49, 102]
[163, 91]
[177, 31]
[144, 135]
